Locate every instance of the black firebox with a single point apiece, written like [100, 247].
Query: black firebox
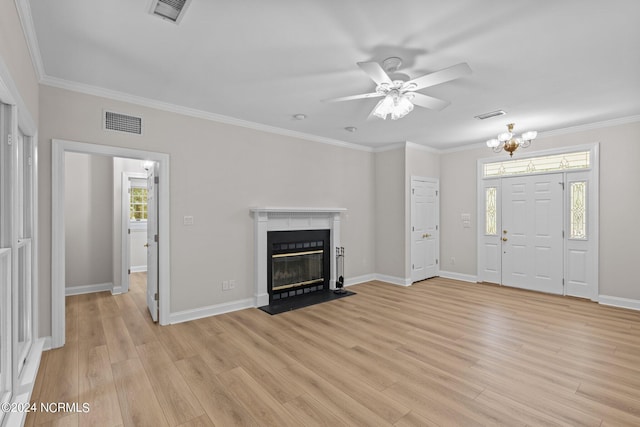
[298, 263]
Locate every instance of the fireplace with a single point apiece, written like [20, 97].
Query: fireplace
[298, 263]
[269, 219]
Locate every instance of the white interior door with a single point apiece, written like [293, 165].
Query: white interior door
[425, 242]
[152, 241]
[532, 223]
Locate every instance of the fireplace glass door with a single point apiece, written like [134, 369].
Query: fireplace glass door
[298, 262]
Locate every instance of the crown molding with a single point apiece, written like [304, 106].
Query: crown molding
[557, 132]
[426, 148]
[389, 147]
[590, 126]
[192, 112]
[26, 21]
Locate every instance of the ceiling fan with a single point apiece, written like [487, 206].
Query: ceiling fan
[400, 95]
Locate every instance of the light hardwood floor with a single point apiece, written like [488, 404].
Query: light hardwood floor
[440, 352]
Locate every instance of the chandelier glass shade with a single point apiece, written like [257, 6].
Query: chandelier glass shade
[507, 141]
[395, 104]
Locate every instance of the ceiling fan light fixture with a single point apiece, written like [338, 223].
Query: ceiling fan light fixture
[395, 105]
[384, 107]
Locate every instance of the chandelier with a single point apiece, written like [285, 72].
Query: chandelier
[507, 141]
[394, 103]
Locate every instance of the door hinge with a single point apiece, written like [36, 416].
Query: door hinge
[562, 183]
[563, 281]
[155, 296]
[436, 227]
[436, 260]
[129, 271]
[563, 234]
[128, 231]
[413, 228]
[436, 193]
[9, 139]
[155, 238]
[413, 266]
[156, 179]
[413, 191]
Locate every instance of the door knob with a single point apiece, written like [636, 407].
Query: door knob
[426, 235]
[504, 231]
[504, 239]
[146, 245]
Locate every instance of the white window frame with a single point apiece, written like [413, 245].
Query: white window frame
[18, 219]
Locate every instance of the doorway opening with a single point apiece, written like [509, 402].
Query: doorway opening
[158, 298]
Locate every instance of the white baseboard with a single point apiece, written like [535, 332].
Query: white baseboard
[138, 269]
[459, 276]
[87, 289]
[394, 280]
[212, 310]
[359, 279]
[632, 304]
[47, 343]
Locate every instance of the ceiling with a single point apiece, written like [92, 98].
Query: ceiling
[549, 64]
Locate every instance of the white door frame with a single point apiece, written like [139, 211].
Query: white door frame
[58, 149]
[593, 173]
[125, 237]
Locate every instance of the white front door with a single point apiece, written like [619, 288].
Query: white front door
[152, 241]
[531, 236]
[424, 228]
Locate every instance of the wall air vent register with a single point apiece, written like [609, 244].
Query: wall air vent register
[122, 122]
[169, 10]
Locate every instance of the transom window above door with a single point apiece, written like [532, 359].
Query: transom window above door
[551, 163]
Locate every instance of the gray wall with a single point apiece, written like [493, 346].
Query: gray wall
[88, 219]
[389, 214]
[218, 172]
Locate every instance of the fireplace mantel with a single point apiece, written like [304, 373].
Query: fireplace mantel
[285, 218]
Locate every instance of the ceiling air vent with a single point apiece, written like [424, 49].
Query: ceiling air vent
[122, 123]
[171, 10]
[490, 114]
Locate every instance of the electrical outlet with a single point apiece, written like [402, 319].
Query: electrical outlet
[232, 284]
[225, 285]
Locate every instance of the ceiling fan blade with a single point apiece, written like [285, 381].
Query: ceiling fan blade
[425, 101]
[375, 71]
[442, 76]
[352, 97]
[372, 116]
